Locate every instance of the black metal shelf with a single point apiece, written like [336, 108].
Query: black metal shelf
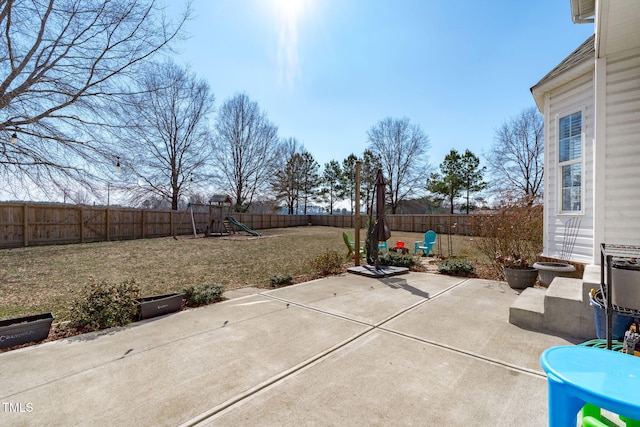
[607, 253]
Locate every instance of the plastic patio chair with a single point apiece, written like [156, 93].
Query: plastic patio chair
[351, 245]
[426, 246]
[592, 417]
[383, 245]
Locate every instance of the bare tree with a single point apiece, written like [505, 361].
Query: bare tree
[246, 149]
[515, 157]
[61, 62]
[167, 133]
[285, 180]
[402, 150]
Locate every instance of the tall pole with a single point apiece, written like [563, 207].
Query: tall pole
[357, 208]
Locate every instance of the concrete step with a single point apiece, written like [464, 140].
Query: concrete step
[567, 310]
[562, 308]
[527, 311]
[591, 278]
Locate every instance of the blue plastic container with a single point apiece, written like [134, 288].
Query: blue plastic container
[619, 322]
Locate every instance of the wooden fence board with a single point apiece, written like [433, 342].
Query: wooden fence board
[45, 224]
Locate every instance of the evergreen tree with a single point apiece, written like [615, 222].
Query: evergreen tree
[472, 175]
[349, 179]
[332, 184]
[457, 173]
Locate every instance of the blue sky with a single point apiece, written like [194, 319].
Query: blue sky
[325, 71]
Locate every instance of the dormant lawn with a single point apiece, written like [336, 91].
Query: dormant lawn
[46, 278]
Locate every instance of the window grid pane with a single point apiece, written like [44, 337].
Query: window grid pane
[571, 187]
[570, 137]
[570, 150]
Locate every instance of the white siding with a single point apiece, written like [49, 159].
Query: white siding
[572, 97]
[622, 158]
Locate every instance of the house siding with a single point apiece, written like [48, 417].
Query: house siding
[578, 95]
[622, 190]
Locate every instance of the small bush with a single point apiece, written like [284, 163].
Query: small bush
[398, 260]
[105, 305]
[330, 262]
[281, 280]
[203, 294]
[512, 234]
[456, 267]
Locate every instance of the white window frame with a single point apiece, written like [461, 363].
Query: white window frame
[579, 161]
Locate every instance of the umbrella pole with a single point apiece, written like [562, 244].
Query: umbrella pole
[357, 217]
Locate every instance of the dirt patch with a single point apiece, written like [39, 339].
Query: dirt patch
[430, 264]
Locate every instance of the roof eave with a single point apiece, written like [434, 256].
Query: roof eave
[583, 11]
[539, 90]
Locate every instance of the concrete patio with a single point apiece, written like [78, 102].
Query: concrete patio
[416, 349]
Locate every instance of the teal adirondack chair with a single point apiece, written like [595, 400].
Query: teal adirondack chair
[426, 246]
[351, 245]
[383, 245]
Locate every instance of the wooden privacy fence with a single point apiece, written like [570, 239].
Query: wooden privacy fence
[31, 224]
[453, 224]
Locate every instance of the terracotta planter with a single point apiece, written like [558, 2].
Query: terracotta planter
[21, 330]
[520, 277]
[158, 305]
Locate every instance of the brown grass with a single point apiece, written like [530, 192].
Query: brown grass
[46, 278]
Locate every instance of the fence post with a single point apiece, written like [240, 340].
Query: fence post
[81, 215]
[25, 225]
[106, 224]
[142, 224]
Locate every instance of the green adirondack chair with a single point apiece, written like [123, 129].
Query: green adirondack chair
[351, 245]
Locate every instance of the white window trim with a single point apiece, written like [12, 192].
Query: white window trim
[559, 165]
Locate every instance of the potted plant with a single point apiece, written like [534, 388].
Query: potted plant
[517, 271]
[549, 270]
[511, 239]
[21, 330]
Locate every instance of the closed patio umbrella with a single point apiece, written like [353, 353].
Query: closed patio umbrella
[380, 230]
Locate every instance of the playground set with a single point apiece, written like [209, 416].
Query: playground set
[219, 221]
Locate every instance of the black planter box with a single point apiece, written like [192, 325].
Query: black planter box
[22, 330]
[158, 305]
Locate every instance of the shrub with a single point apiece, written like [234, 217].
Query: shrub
[330, 262]
[456, 267]
[203, 294]
[105, 305]
[398, 260]
[281, 280]
[513, 234]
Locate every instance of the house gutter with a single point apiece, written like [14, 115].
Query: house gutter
[583, 12]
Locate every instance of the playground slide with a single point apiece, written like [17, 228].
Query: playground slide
[243, 227]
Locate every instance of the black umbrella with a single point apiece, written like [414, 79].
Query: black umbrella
[380, 232]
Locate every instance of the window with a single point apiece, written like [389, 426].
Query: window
[570, 161]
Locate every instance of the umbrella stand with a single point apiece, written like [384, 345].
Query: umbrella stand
[380, 231]
[357, 213]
